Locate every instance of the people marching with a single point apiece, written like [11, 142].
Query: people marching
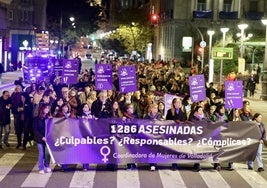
[31, 106]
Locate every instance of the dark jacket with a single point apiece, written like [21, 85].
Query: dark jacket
[158, 116]
[1, 68]
[39, 129]
[4, 112]
[16, 102]
[195, 117]
[181, 116]
[263, 131]
[97, 109]
[246, 117]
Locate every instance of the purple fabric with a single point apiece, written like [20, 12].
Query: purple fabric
[70, 71]
[197, 88]
[144, 141]
[127, 79]
[103, 80]
[233, 94]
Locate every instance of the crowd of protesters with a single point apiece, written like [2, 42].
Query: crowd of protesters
[31, 105]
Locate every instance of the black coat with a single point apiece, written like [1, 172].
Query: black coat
[4, 112]
[97, 109]
[251, 84]
[181, 116]
[39, 129]
[263, 131]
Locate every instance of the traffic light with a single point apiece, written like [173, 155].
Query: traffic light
[154, 19]
[199, 50]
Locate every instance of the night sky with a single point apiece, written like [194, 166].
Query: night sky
[77, 8]
[85, 15]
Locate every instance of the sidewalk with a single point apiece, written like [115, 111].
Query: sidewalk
[258, 105]
[8, 79]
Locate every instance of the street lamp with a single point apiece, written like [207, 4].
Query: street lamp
[25, 44]
[131, 28]
[242, 27]
[210, 33]
[202, 52]
[72, 19]
[202, 41]
[224, 31]
[264, 80]
[211, 62]
[60, 33]
[53, 45]
[60, 41]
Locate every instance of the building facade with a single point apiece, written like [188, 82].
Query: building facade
[179, 18]
[21, 19]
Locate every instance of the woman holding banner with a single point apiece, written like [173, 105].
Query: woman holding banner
[39, 136]
[177, 111]
[116, 113]
[198, 115]
[178, 114]
[220, 115]
[153, 114]
[128, 114]
[86, 114]
[161, 109]
[63, 111]
[258, 119]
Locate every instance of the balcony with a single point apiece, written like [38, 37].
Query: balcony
[252, 15]
[228, 15]
[203, 14]
[166, 15]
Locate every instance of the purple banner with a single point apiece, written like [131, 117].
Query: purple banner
[70, 71]
[233, 94]
[105, 141]
[127, 79]
[103, 79]
[197, 88]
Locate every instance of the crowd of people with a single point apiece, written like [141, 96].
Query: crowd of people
[31, 105]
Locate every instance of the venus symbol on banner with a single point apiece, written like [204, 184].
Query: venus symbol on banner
[100, 70]
[105, 159]
[124, 72]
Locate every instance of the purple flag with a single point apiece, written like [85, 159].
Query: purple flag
[70, 71]
[233, 94]
[103, 78]
[127, 79]
[197, 88]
